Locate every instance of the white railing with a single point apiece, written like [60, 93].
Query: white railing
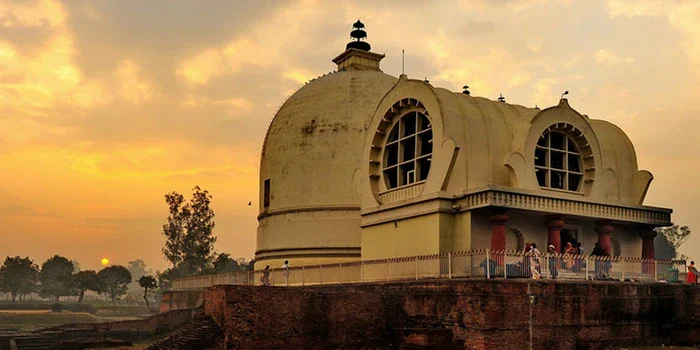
[465, 264]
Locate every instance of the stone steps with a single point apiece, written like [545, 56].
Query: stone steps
[199, 333]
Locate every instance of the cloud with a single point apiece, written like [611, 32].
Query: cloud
[135, 88]
[682, 15]
[112, 104]
[609, 59]
[202, 67]
[298, 75]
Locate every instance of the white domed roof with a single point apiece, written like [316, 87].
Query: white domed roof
[310, 165]
[314, 144]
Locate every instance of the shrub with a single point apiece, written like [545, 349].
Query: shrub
[56, 307]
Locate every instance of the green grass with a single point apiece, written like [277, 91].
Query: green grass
[27, 321]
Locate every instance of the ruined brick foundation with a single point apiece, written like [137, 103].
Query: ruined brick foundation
[470, 314]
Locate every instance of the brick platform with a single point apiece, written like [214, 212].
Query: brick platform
[473, 314]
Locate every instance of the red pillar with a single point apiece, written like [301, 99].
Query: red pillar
[498, 231]
[648, 250]
[648, 245]
[604, 230]
[554, 225]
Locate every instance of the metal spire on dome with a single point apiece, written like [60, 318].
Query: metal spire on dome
[358, 33]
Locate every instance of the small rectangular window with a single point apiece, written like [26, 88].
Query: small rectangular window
[266, 193]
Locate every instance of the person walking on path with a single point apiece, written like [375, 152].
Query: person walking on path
[285, 272]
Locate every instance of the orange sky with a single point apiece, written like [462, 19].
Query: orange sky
[105, 106]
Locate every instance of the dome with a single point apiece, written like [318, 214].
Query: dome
[309, 201]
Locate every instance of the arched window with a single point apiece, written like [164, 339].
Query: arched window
[408, 151]
[558, 162]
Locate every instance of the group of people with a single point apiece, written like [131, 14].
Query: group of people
[532, 259]
[265, 277]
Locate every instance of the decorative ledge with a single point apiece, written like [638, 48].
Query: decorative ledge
[495, 198]
[503, 198]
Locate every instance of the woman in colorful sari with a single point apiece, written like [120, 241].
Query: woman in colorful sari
[570, 251]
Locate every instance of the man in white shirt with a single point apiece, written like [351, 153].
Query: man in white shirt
[285, 272]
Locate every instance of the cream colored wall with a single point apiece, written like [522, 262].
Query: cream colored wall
[310, 229]
[462, 231]
[481, 231]
[623, 181]
[414, 236]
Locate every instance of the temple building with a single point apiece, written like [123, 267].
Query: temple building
[358, 164]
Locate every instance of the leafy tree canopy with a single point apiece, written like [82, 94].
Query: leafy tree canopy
[56, 277]
[224, 263]
[114, 280]
[189, 244]
[86, 280]
[148, 283]
[18, 276]
[668, 240]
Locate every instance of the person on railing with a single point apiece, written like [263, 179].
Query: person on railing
[552, 257]
[692, 274]
[285, 272]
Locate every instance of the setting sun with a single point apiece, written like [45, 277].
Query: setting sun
[105, 261]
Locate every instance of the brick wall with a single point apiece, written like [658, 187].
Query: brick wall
[181, 300]
[473, 314]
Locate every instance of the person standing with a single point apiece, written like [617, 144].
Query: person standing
[552, 257]
[570, 252]
[286, 272]
[580, 260]
[692, 274]
[265, 279]
[534, 262]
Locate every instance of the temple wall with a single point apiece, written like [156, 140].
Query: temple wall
[474, 314]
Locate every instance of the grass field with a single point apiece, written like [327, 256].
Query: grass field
[27, 320]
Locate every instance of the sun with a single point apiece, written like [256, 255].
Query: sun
[105, 261]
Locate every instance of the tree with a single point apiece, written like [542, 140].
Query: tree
[189, 244]
[86, 280]
[137, 268]
[668, 240]
[56, 278]
[224, 263]
[114, 280]
[147, 282]
[18, 276]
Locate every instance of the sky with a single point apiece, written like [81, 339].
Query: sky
[106, 106]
